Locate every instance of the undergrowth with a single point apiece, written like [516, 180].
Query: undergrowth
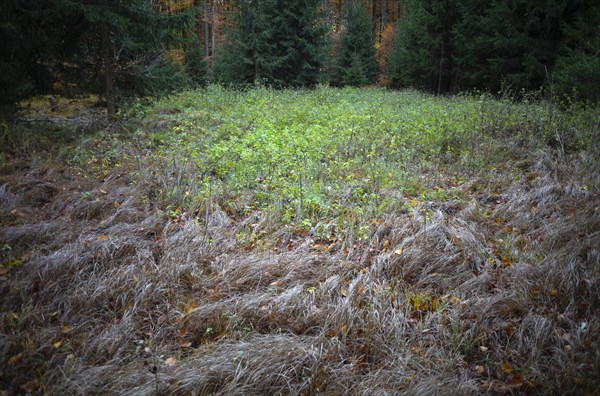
[333, 241]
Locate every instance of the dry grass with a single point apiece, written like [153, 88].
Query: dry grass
[111, 296]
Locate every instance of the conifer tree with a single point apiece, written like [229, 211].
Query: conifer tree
[275, 42]
[358, 48]
[577, 70]
[508, 45]
[355, 75]
[195, 64]
[422, 56]
[299, 40]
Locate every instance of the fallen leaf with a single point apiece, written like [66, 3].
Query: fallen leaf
[507, 368]
[57, 344]
[171, 362]
[117, 204]
[483, 348]
[344, 292]
[516, 381]
[103, 237]
[479, 369]
[182, 331]
[186, 343]
[398, 251]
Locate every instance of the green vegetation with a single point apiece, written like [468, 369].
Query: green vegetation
[345, 157]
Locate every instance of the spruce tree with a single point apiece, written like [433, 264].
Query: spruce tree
[577, 70]
[524, 39]
[422, 56]
[473, 44]
[245, 57]
[508, 45]
[299, 40]
[355, 75]
[274, 42]
[358, 48]
[195, 64]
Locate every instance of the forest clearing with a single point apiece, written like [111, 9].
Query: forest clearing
[300, 242]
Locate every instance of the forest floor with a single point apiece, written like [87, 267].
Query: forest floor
[334, 241]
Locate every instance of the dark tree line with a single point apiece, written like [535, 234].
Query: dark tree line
[452, 45]
[130, 48]
[115, 48]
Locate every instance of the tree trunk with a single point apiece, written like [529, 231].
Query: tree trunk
[205, 18]
[212, 23]
[382, 20]
[109, 76]
[373, 17]
[400, 11]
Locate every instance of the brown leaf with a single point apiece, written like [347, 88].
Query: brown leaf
[186, 343]
[516, 381]
[171, 362]
[507, 368]
[479, 369]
